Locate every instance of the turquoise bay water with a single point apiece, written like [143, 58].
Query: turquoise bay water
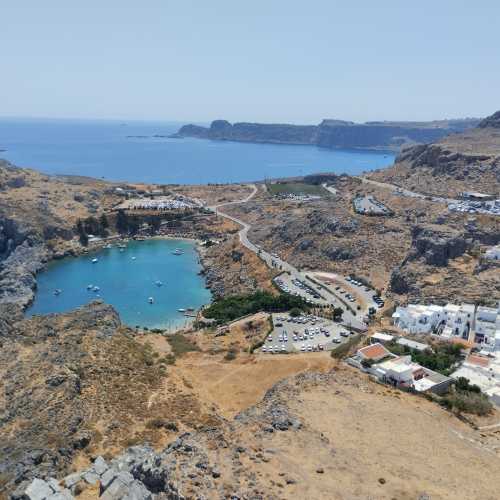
[127, 283]
[105, 149]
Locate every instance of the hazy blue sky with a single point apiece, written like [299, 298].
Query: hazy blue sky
[260, 60]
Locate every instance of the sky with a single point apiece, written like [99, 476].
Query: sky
[260, 60]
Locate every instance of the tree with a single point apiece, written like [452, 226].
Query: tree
[122, 222]
[82, 234]
[337, 313]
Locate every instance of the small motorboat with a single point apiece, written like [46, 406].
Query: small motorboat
[122, 246]
[95, 289]
[57, 291]
[94, 260]
[133, 258]
[121, 250]
[182, 310]
[89, 287]
[158, 283]
[177, 251]
[108, 246]
[150, 300]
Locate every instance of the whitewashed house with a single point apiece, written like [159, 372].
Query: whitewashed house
[401, 371]
[449, 321]
[487, 327]
[458, 320]
[416, 318]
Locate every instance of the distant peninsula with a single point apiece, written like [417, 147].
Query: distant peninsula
[384, 135]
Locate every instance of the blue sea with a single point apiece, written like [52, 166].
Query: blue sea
[112, 150]
[126, 280]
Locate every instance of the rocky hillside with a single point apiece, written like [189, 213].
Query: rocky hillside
[311, 436]
[65, 379]
[469, 161]
[38, 211]
[445, 261]
[331, 133]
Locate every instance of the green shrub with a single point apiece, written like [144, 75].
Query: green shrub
[468, 402]
[230, 354]
[441, 359]
[236, 306]
[344, 349]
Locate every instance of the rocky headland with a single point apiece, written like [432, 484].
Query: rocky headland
[331, 133]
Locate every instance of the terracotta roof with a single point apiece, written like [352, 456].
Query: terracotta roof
[374, 351]
[478, 360]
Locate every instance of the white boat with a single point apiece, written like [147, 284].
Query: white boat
[108, 246]
[89, 287]
[121, 249]
[181, 310]
[158, 283]
[133, 258]
[150, 300]
[94, 260]
[57, 291]
[95, 289]
[177, 251]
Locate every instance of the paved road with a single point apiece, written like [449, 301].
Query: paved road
[407, 192]
[330, 188]
[273, 261]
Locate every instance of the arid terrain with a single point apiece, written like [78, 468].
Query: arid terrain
[325, 431]
[469, 161]
[201, 414]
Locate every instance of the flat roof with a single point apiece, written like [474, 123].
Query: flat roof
[382, 336]
[418, 346]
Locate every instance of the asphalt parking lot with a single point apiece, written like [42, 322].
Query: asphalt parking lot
[295, 286]
[304, 334]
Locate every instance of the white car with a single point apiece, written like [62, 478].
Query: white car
[283, 348]
[295, 338]
[270, 338]
[302, 347]
[309, 348]
[264, 349]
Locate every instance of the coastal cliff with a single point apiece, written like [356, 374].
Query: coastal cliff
[468, 161]
[331, 133]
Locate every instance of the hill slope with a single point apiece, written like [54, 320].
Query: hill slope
[469, 161]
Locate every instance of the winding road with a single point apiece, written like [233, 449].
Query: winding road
[275, 262]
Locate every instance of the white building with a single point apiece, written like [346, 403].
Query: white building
[403, 372]
[416, 318]
[449, 321]
[493, 253]
[484, 372]
[487, 328]
[458, 320]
